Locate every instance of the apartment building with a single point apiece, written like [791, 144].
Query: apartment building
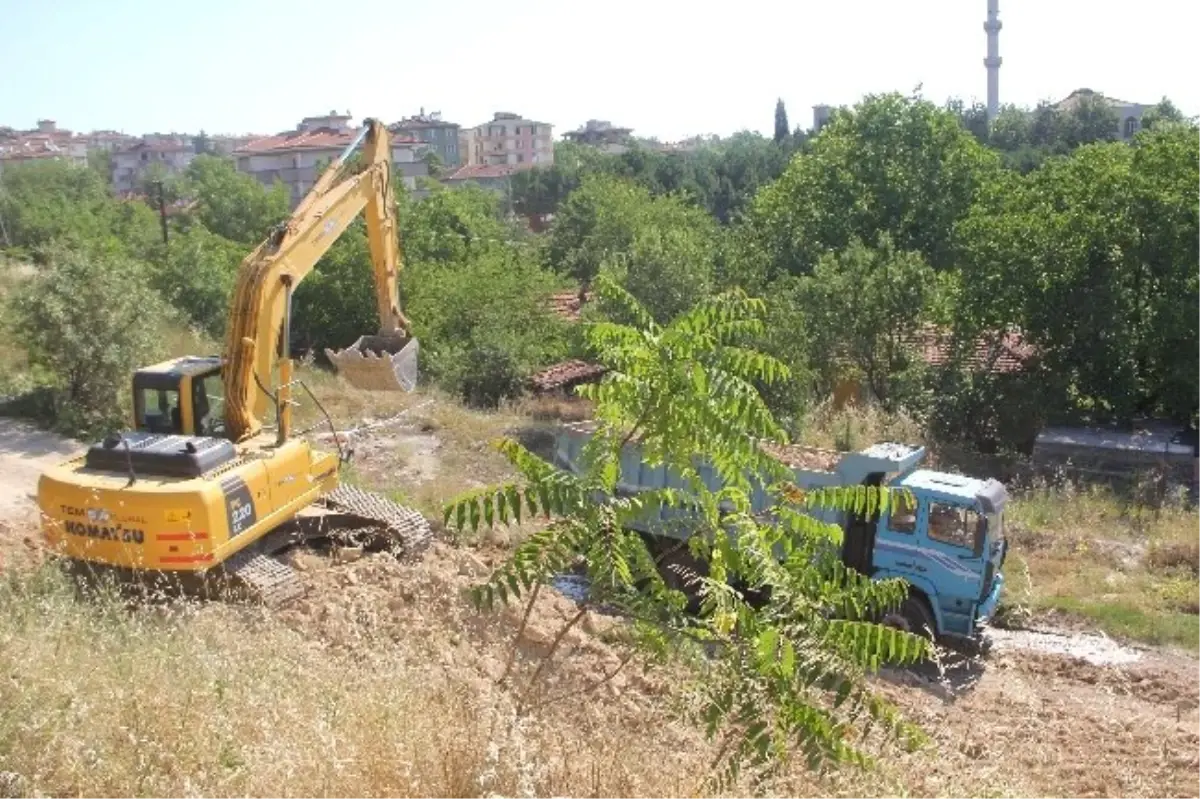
[603, 135]
[508, 139]
[293, 158]
[439, 136]
[131, 164]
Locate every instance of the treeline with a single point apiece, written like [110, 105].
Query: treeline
[108, 293]
[1052, 271]
[983, 281]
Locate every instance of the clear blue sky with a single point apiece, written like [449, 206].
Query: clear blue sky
[665, 68]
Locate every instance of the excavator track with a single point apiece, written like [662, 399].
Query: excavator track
[269, 581]
[390, 523]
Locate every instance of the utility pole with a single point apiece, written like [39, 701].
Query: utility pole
[162, 211]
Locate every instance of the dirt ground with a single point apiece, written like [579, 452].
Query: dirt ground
[1032, 718]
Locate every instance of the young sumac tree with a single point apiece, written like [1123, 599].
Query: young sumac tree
[780, 676]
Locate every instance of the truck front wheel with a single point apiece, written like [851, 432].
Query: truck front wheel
[913, 616]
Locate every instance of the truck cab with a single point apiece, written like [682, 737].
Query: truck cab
[944, 535]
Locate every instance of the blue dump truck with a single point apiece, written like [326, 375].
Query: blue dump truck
[946, 539]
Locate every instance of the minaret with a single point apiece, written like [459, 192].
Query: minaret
[992, 62]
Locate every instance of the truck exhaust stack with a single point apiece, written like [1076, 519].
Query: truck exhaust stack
[381, 362]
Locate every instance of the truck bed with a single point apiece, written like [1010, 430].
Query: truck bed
[798, 456]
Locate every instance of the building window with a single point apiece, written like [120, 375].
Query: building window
[533, 130]
[520, 158]
[1131, 127]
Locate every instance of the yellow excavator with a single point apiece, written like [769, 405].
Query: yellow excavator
[202, 493]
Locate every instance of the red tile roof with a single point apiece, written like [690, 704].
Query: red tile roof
[566, 375]
[999, 352]
[567, 304]
[320, 139]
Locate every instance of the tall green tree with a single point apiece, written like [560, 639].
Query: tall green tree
[231, 204]
[661, 248]
[1163, 112]
[864, 306]
[891, 164]
[782, 130]
[87, 346]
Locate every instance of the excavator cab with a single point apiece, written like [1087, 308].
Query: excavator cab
[183, 396]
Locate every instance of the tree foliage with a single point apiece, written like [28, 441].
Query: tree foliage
[483, 323]
[88, 346]
[232, 204]
[782, 131]
[864, 305]
[892, 164]
[786, 676]
[661, 249]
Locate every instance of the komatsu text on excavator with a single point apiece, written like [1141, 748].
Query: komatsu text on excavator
[200, 491]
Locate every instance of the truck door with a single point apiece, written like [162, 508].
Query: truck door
[896, 543]
[953, 540]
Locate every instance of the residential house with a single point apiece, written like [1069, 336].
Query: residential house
[601, 134]
[295, 158]
[47, 140]
[131, 164]
[508, 139]
[1129, 115]
[496, 178]
[441, 137]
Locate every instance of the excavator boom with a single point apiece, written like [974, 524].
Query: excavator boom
[260, 311]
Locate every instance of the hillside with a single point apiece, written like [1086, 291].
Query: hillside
[383, 681]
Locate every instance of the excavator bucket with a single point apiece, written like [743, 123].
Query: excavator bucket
[379, 362]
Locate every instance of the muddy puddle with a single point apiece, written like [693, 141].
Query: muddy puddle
[1099, 650]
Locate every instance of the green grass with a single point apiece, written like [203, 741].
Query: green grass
[1129, 570]
[1127, 620]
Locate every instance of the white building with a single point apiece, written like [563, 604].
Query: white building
[131, 164]
[292, 158]
[1129, 115]
[509, 139]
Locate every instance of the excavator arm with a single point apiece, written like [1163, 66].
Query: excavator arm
[260, 312]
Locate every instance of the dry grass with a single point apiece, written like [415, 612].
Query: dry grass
[384, 682]
[854, 427]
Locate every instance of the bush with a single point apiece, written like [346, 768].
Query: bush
[484, 325]
[88, 345]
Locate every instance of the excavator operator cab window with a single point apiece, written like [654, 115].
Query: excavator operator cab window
[208, 404]
[157, 410]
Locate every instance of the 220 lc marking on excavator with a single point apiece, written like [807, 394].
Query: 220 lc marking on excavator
[199, 492]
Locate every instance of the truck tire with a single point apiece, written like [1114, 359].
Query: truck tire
[913, 616]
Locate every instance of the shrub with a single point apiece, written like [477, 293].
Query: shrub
[484, 325]
[87, 343]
